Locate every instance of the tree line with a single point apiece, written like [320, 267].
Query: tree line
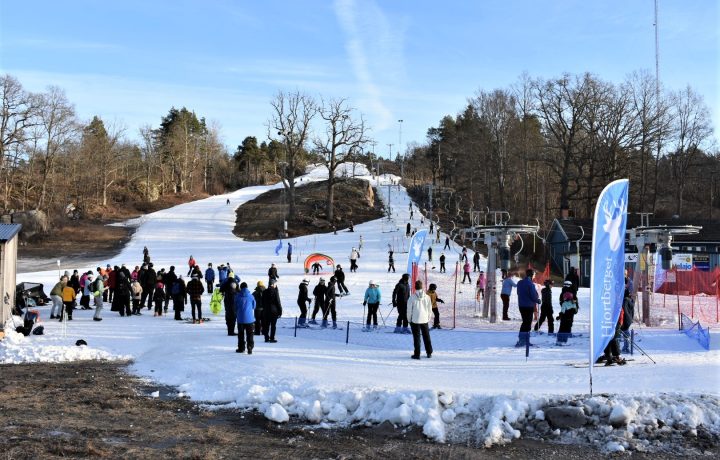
[51, 159]
[543, 145]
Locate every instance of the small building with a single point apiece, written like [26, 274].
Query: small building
[8, 269]
[570, 242]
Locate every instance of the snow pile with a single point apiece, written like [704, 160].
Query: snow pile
[16, 349]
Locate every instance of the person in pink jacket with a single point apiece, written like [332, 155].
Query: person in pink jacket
[480, 286]
[466, 272]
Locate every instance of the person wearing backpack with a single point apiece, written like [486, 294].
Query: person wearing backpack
[244, 308]
[136, 293]
[179, 297]
[568, 309]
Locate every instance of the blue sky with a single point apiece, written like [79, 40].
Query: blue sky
[130, 61]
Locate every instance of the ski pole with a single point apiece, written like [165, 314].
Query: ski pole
[637, 346]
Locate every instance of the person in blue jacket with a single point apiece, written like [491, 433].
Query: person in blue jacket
[372, 300]
[528, 301]
[222, 273]
[245, 312]
[210, 278]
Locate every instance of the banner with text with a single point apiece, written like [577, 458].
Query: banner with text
[607, 280]
[415, 251]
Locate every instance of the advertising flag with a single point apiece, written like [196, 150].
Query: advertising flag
[607, 276]
[415, 251]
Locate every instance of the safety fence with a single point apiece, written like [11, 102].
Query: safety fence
[694, 293]
[694, 329]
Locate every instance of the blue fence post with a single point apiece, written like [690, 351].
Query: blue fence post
[347, 333]
[295, 331]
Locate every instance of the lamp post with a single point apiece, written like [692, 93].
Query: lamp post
[402, 160]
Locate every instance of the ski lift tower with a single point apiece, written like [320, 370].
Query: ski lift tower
[661, 236]
[498, 238]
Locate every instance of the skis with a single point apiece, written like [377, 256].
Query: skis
[600, 364]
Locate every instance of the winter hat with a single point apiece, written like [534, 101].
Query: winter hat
[306, 281]
[371, 283]
[322, 280]
[548, 282]
[567, 283]
[260, 284]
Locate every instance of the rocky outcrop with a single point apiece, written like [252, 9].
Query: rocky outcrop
[33, 222]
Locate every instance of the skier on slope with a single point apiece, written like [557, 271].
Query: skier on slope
[391, 261]
[546, 308]
[442, 262]
[272, 274]
[340, 280]
[272, 310]
[372, 300]
[330, 299]
[354, 256]
[319, 294]
[259, 312]
[302, 301]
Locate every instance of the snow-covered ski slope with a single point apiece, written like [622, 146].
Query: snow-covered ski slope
[475, 384]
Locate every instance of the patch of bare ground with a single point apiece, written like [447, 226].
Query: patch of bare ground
[96, 409]
[262, 218]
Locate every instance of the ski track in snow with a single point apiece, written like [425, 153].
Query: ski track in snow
[474, 388]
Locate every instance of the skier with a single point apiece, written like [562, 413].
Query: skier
[507, 286]
[302, 299]
[360, 245]
[289, 252]
[464, 256]
[568, 309]
[316, 268]
[419, 309]
[480, 286]
[191, 265]
[612, 349]
[429, 253]
[372, 300]
[319, 294]
[146, 255]
[447, 243]
[476, 262]
[259, 312]
[466, 273]
[210, 277]
[434, 299]
[354, 256]
[400, 297]
[340, 280]
[442, 262]
[195, 290]
[330, 296]
[546, 308]
[272, 274]
[244, 307]
[391, 261]
[432, 227]
[527, 303]
[272, 310]
[628, 313]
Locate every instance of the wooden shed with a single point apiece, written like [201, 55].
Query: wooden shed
[8, 266]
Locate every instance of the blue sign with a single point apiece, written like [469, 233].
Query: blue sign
[607, 278]
[416, 247]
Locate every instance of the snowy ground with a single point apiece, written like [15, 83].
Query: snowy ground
[477, 387]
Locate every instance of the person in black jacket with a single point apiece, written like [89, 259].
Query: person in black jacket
[169, 280]
[476, 262]
[179, 296]
[258, 295]
[330, 296]
[229, 289]
[546, 308]
[272, 274]
[148, 280]
[391, 261]
[319, 294]
[302, 299]
[195, 290]
[272, 310]
[340, 280]
[574, 279]
[400, 297]
[121, 300]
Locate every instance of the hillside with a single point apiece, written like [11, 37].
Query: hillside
[262, 218]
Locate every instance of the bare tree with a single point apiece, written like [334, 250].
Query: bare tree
[57, 119]
[342, 136]
[292, 114]
[691, 127]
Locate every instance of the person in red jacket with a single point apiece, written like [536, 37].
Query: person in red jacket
[191, 265]
[112, 279]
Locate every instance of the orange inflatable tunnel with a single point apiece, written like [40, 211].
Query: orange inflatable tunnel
[322, 259]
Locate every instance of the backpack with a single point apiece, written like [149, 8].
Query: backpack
[216, 302]
[175, 290]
